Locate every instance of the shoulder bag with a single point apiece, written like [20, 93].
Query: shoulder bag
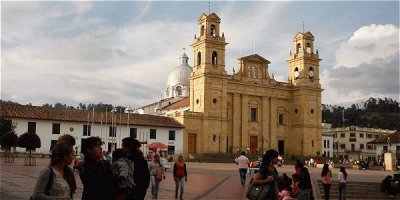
[258, 192]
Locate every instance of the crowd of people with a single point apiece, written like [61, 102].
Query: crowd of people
[127, 176]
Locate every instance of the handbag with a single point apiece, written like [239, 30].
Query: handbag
[158, 176]
[258, 192]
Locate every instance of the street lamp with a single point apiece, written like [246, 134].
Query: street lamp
[113, 131]
[128, 110]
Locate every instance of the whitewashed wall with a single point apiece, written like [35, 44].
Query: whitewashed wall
[44, 130]
[379, 148]
[328, 138]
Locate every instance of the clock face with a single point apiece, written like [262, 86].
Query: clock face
[296, 74]
[311, 73]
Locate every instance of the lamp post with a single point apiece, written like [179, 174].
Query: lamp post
[113, 131]
[128, 110]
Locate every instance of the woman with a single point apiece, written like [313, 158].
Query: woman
[180, 176]
[96, 175]
[305, 187]
[268, 173]
[156, 175]
[57, 181]
[326, 176]
[342, 183]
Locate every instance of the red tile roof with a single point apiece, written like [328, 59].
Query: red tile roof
[179, 104]
[75, 115]
[394, 138]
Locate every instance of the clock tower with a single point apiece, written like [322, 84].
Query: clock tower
[304, 61]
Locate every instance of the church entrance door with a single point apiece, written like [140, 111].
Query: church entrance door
[253, 144]
[192, 143]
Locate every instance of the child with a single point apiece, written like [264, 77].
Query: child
[284, 187]
[295, 190]
[123, 169]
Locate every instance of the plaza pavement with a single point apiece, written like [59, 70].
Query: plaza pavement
[205, 180]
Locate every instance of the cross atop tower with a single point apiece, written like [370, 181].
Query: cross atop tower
[303, 27]
[209, 7]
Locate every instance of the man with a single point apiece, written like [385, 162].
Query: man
[243, 164]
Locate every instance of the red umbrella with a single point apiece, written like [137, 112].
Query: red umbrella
[156, 145]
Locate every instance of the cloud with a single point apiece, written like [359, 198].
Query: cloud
[367, 44]
[367, 65]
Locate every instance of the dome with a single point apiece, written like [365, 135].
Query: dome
[180, 75]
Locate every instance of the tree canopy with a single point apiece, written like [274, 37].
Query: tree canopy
[29, 140]
[373, 113]
[8, 140]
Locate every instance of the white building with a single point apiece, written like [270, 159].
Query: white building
[352, 142]
[50, 123]
[327, 141]
[389, 143]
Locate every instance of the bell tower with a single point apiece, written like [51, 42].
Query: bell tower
[209, 46]
[304, 61]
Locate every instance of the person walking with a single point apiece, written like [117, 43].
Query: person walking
[123, 168]
[180, 176]
[131, 147]
[56, 181]
[268, 174]
[156, 175]
[243, 164]
[342, 177]
[326, 176]
[96, 175]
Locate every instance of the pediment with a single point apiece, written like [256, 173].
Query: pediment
[254, 58]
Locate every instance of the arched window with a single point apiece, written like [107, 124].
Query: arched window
[212, 30]
[308, 47]
[298, 48]
[178, 91]
[253, 72]
[202, 31]
[214, 58]
[199, 58]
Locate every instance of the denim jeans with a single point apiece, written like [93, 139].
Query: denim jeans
[242, 172]
[327, 188]
[179, 183]
[342, 191]
[155, 185]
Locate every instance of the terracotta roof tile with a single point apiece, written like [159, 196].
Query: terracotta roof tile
[394, 138]
[179, 104]
[75, 115]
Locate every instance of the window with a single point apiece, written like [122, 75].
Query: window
[56, 128]
[353, 147]
[32, 127]
[352, 139]
[52, 144]
[324, 144]
[133, 132]
[171, 150]
[361, 135]
[214, 138]
[361, 146]
[178, 91]
[342, 146]
[352, 134]
[87, 130]
[280, 118]
[112, 131]
[212, 30]
[342, 135]
[370, 146]
[253, 114]
[199, 58]
[153, 133]
[369, 136]
[327, 143]
[312, 143]
[171, 135]
[376, 136]
[202, 31]
[214, 58]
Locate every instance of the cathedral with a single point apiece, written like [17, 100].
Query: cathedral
[250, 110]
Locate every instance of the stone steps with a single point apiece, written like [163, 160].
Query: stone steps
[355, 190]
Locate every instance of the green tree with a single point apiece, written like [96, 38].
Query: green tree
[7, 141]
[30, 141]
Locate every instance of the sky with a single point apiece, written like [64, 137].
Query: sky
[121, 52]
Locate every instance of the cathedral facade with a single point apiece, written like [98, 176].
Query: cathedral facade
[250, 110]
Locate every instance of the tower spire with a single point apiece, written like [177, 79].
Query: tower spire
[303, 27]
[209, 7]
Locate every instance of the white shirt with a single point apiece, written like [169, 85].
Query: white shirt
[242, 161]
[341, 177]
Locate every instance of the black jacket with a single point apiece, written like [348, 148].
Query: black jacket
[98, 180]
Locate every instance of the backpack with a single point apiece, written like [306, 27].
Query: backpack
[48, 185]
